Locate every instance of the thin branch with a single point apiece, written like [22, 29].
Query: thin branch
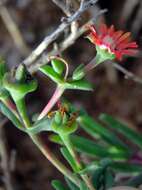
[128, 74]
[49, 39]
[63, 45]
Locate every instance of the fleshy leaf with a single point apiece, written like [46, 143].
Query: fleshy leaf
[71, 185]
[95, 129]
[69, 158]
[78, 85]
[132, 135]
[58, 185]
[91, 148]
[56, 139]
[126, 167]
[49, 71]
[78, 74]
[11, 116]
[2, 69]
[58, 66]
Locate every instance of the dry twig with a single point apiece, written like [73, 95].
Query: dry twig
[85, 4]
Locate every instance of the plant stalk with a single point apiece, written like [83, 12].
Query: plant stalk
[56, 96]
[43, 148]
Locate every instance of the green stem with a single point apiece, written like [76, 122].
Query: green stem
[69, 146]
[51, 157]
[67, 142]
[93, 63]
[10, 105]
[43, 148]
[23, 112]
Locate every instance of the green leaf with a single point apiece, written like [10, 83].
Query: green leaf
[97, 178]
[108, 179]
[78, 74]
[71, 185]
[58, 185]
[83, 186]
[126, 167]
[78, 85]
[56, 139]
[91, 148]
[41, 125]
[49, 71]
[58, 66]
[11, 116]
[91, 167]
[95, 129]
[2, 69]
[69, 158]
[132, 135]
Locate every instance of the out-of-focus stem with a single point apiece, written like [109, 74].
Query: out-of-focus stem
[13, 29]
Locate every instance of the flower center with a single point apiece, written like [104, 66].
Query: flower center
[108, 40]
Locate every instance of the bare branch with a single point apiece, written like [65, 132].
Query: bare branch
[128, 74]
[49, 39]
[63, 45]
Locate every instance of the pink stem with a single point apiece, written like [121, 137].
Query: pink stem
[57, 94]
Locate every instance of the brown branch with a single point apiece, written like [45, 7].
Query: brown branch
[49, 39]
[63, 45]
[128, 74]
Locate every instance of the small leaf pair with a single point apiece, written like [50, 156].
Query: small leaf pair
[54, 72]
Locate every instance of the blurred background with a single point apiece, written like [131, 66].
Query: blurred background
[113, 92]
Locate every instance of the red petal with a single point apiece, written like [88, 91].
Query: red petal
[124, 37]
[117, 34]
[129, 52]
[103, 29]
[111, 30]
[128, 45]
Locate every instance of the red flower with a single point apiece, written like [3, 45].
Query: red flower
[116, 42]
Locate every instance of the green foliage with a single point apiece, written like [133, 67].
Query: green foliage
[100, 132]
[11, 116]
[78, 74]
[71, 185]
[69, 158]
[58, 185]
[130, 134]
[58, 65]
[51, 73]
[92, 148]
[79, 85]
